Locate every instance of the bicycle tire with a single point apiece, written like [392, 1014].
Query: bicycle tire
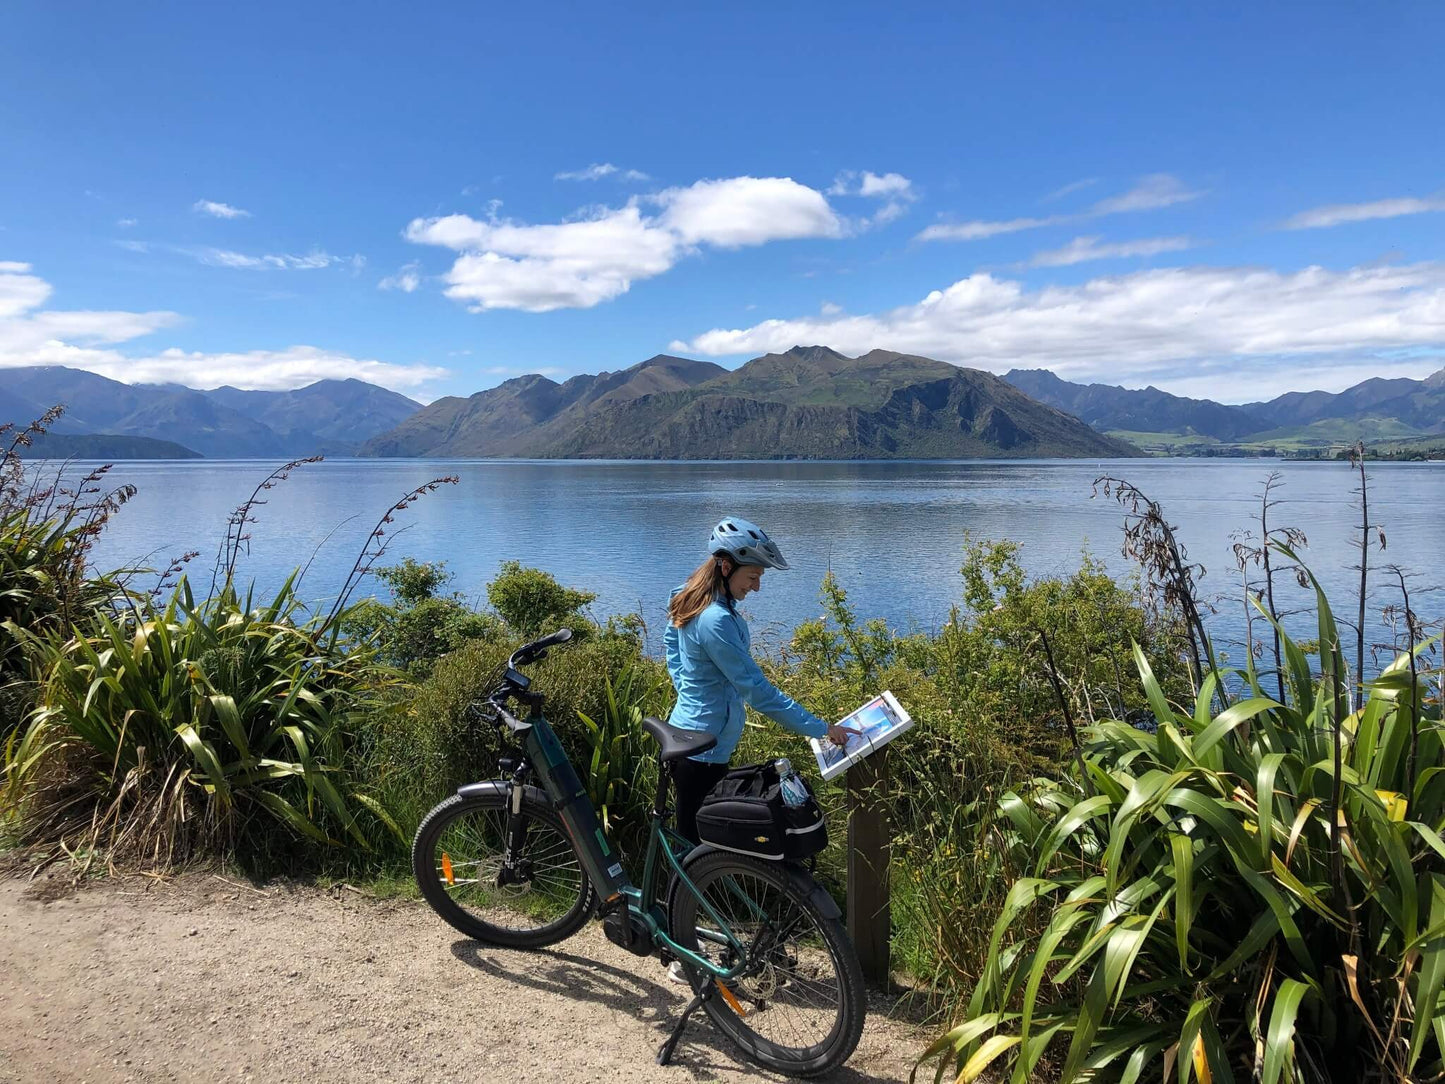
[430, 878]
[797, 888]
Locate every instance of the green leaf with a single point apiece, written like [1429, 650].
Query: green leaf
[1432, 973]
[1182, 848]
[206, 760]
[1279, 1041]
[1230, 718]
[985, 1055]
[1163, 714]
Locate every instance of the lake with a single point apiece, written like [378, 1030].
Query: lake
[892, 532]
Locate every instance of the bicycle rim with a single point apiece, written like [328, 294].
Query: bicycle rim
[539, 893]
[790, 1006]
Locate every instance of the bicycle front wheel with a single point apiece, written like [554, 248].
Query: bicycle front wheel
[458, 857]
[798, 1005]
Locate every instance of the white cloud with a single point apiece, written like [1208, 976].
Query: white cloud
[218, 210]
[597, 171]
[978, 231]
[1069, 189]
[896, 189]
[889, 185]
[1164, 325]
[829, 308]
[1082, 249]
[20, 290]
[583, 262]
[267, 370]
[1151, 193]
[126, 223]
[406, 280]
[742, 211]
[219, 257]
[1339, 213]
[30, 335]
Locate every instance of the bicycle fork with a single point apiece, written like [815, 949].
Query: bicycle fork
[514, 869]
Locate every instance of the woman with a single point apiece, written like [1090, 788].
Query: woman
[709, 657]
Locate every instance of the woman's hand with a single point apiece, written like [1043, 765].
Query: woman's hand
[838, 735]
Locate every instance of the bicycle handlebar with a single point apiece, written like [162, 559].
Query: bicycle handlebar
[537, 649]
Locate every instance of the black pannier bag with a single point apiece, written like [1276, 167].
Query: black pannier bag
[745, 813]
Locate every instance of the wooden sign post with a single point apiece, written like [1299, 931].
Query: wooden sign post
[869, 845]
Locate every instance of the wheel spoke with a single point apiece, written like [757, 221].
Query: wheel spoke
[791, 988]
[550, 878]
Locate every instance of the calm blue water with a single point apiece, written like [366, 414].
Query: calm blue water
[892, 532]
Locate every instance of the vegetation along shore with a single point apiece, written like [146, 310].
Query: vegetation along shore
[1116, 849]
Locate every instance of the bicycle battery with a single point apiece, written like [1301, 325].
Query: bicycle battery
[569, 797]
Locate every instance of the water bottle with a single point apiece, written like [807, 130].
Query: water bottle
[792, 787]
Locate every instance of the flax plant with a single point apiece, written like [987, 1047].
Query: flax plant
[1253, 894]
[172, 730]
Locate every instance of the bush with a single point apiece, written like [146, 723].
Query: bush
[533, 603]
[1257, 893]
[419, 625]
[428, 746]
[182, 729]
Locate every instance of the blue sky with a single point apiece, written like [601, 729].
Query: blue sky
[1223, 201]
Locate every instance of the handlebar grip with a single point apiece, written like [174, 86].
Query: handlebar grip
[537, 648]
[561, 636]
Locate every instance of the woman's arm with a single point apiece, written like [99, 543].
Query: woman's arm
[674, 654]
[724, 644]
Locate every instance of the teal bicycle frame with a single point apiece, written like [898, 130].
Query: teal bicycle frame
[545, 756]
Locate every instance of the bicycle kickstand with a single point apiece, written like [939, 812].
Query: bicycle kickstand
[665, 1051]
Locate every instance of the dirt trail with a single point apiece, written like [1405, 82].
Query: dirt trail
[200, 978]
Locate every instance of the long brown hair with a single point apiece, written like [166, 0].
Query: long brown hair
[705, 584]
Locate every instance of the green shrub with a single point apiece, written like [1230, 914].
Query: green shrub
[533, 603]
[419, 625]
[1257, 893]
[431, 744]
[183, 729]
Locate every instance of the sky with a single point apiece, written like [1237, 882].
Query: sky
[1224, 201]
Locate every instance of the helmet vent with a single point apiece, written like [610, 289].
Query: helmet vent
[753, 533]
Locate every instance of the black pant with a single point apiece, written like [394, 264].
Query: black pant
[693, 779]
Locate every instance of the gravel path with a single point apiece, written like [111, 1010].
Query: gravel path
[204, 978]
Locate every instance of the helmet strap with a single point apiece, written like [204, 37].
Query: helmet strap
[726, 573]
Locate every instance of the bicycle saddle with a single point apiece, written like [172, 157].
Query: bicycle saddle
[678, 743]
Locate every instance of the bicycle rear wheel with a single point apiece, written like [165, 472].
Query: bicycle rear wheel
[799, 1004]
[458, 858]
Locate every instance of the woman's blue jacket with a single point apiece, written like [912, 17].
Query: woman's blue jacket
[711, 663]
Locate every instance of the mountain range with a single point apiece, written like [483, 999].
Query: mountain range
[1377, 411]
[807, 403]
[331, 417]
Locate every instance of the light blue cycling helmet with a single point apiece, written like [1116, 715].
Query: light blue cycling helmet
[746, 543]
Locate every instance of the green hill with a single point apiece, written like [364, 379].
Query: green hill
[806, 403]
